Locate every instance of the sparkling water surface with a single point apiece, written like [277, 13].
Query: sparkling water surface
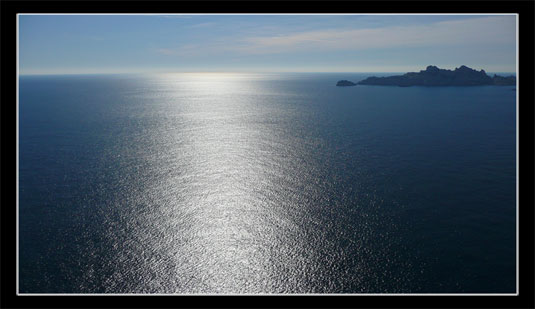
[264, 183]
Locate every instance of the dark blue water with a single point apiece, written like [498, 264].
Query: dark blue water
[243, 183]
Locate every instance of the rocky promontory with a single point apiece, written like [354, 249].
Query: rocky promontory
[433, 76]
[345, 83]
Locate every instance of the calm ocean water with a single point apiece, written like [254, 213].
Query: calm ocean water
[244, 183]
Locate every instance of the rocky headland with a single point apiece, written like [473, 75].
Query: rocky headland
[433, 76]
[345, 83]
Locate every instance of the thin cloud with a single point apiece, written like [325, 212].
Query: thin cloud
[202, 25]
[477, 31]
[165, 51]
[192, 50]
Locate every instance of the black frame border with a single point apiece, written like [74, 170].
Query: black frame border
[525, 11]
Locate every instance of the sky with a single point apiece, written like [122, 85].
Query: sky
[92, 44]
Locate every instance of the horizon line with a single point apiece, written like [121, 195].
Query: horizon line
[227, 72]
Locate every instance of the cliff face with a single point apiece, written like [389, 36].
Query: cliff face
[433, 76]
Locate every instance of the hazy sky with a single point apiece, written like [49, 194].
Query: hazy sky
[54, 44]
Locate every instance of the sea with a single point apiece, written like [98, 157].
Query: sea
[246, 183]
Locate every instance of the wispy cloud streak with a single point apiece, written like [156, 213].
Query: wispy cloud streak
[478, 31]
[496, 30]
